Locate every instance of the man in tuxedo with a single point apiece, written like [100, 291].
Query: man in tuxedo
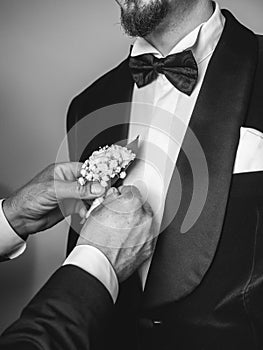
[200, 70]
[114, 241]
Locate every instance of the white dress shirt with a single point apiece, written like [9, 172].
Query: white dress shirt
[162, 123]
[11, 245]
[169, 117]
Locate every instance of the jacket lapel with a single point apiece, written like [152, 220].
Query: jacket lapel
[104, 118]
[181, 260]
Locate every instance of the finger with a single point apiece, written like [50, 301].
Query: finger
[110, 191]
[111, 196]
[69, 171]
[130, 191]
[120, 188]
[131, 198]
[148, 209]
[52, 218]
[66, 189]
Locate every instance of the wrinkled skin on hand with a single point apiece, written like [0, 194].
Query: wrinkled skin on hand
[48, 198]
[121, 228]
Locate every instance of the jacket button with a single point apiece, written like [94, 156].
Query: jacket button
[157, 323]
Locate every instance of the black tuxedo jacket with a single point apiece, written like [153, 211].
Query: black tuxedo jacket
[203, 287]
[68, 313]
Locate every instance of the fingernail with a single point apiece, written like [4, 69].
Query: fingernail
[96, 188]
[82, 213]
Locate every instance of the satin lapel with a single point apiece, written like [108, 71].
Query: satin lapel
[181, 260]
[108, 122]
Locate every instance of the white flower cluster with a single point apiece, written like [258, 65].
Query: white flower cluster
[105, 164]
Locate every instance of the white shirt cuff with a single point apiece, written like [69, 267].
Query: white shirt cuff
[11, 245]
[93, 261]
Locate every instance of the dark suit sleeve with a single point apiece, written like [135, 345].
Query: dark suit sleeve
[68, 313]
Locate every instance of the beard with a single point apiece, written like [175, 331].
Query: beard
[139, 20]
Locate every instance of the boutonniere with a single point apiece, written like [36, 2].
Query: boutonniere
[106, 166]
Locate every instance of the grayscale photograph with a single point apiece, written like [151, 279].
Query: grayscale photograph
[131, 177]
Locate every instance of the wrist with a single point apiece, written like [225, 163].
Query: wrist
[94, 261]
[15, 219]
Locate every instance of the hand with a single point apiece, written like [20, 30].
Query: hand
[121, 228]
[37, 206]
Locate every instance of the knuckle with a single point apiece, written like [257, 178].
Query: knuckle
[48, 173]
[83, 191]
[130, 189]
[52, 166]
[135, 191]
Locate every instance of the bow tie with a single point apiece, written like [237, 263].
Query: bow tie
[180, 69]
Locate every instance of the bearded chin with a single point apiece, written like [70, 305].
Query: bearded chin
[140, 21]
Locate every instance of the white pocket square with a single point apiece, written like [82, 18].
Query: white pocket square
[249, 155]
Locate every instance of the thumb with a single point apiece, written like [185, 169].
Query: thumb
[67, 189]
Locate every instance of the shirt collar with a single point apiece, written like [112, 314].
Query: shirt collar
[202, 40]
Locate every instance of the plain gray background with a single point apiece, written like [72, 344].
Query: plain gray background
[51, 50]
